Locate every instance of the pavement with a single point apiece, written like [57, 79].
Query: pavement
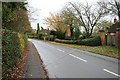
[33, 66]
[65, 62]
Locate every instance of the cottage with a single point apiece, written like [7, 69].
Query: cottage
[111, 36]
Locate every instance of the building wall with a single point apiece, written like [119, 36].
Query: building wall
[102, 35]
[68, 33]
[111, 39]
[118, 38]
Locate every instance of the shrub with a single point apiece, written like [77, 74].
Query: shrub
[13, 44]
[67, 38]
[95, 41]
[25, 37]
[65, 41]
[40, 35]
[21, 40]
[51, 38]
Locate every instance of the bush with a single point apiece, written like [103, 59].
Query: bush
[13, 44]
[95, 41]
[51, 38]
[25, 37]
[65, 41]
[67, 38]
[40, 35]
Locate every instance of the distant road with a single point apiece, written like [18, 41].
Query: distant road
[66, 62]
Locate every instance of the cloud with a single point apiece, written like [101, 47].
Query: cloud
[47, 6]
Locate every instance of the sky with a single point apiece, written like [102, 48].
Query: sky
[39, 9]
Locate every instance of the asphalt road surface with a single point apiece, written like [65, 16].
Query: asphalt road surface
[65, 62]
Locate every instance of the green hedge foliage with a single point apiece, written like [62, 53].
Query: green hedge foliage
[12, 48]
[95, 41]
[50, 38]
[65, 41]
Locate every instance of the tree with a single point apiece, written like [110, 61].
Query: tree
[8, 9]
[88, 16]
[76, 33]
[42, 28]
[38, 28]
[112, 6]
[70, 19]
[15, 16]
[62, 21]
[103, 25]
[55, 21]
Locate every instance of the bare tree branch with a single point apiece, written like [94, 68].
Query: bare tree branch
[88, 16]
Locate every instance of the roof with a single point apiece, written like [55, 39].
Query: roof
[114, 27]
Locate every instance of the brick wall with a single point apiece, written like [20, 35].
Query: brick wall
[102, 37]
[118, 38]
[68, 33]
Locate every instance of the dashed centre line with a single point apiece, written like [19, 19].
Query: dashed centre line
[111, 72]
[50, 46]
[108, 71]
[57, 49]
[78, 58]
[60, 50]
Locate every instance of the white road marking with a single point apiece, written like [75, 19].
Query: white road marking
[50, 46]
[78, 57]
[60, 50]
[111, 72]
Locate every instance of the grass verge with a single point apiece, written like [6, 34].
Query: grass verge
[110, 51]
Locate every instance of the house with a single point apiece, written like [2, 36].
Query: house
[112, 33]
[68, 33]
[111, 36]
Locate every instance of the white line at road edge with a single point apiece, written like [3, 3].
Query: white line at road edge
[78, 57]
[60, 50]
[111, 72]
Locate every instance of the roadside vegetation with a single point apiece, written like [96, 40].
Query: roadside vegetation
[77, 25]
[110, 51]
[15, 25]
[77, 21]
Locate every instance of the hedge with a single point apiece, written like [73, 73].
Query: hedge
[13, 45]
[95, 41]
[50, 38]
[65, 41]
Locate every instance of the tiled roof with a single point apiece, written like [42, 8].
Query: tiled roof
[113, 28]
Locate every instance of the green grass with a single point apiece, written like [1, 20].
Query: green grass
[106, 50]
[102, 50]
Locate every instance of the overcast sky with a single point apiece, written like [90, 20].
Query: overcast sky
[41, 9]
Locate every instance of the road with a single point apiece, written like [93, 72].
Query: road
[65, 62]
